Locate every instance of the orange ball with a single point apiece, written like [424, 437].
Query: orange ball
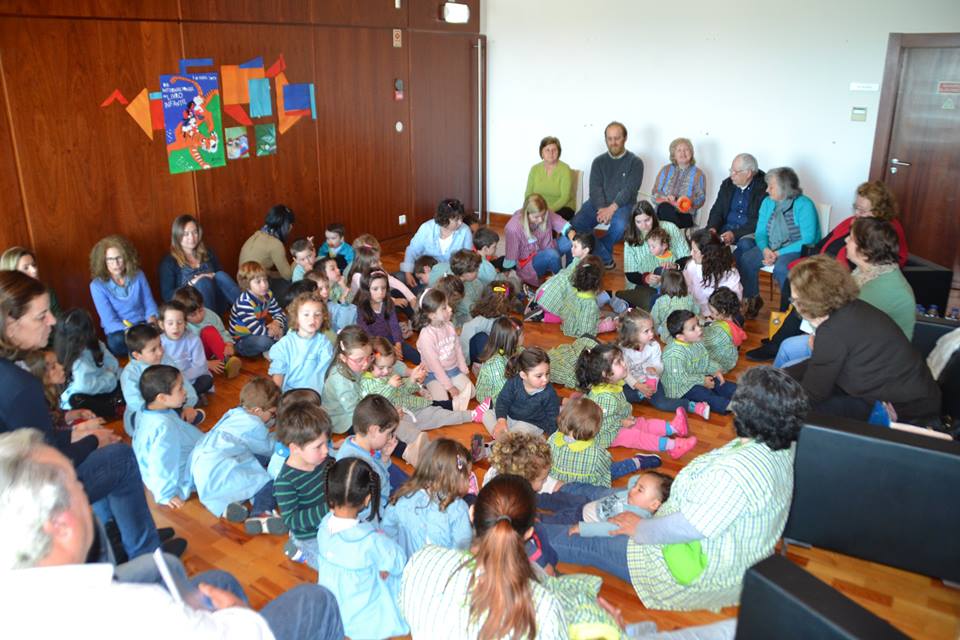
[684, 204]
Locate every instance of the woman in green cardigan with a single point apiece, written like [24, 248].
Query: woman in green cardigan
[551, 179]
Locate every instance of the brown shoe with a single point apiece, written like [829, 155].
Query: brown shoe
[751, 307]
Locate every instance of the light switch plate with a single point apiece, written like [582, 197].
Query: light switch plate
[858, 114]
[402, 219]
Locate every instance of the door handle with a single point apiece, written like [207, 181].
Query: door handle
[895, 161]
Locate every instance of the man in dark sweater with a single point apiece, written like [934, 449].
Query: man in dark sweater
[615, 178]
[734, 213]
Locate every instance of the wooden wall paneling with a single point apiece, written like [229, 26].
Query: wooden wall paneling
[13, 228]
[274, 11]
[129, 9]
[360, 13]
[364, 162]
[233, 200]
[443, 105]
[87, 171]
[425, 14]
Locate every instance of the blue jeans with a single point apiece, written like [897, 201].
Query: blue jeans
[718, 398]
[117, 344]
[607, 553]
[749, 262]
[409, 353]
[111, 474]
[546, 261]
[793, 350]
[250, 346]
[219, 292]
[658, 400]
[586, 220]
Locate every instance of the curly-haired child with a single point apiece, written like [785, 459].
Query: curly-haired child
[724, 335]
[710, 267]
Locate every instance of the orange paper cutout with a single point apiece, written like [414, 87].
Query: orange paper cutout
[139, 110]
[236, 83]
[285, 119]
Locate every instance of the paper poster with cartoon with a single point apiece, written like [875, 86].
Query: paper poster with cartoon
[192, 121]
[238, 143]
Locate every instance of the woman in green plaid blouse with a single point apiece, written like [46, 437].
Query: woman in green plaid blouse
[601, 372]
[505, 341]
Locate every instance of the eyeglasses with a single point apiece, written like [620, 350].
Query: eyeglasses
[361, 360]
[736, 171]
[114, 259]
[857, 209]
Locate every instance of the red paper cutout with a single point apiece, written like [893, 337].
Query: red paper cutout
[116, 95]
[277, 67]
[156, 115]
[237, 112]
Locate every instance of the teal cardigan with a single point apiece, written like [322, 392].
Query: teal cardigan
[804, 215]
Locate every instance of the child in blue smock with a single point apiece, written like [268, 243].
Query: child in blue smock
[227, 467]
[341, 314]
[93, 373]
[163, 443]
[183, 347]
[375, 423]
[145, 349]
[300, 359]
[357, 562]
[429, 508]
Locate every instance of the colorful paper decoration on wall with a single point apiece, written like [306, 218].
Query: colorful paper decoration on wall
[188, 109]
[191, 119]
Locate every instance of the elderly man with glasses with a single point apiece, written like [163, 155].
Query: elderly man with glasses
[734, 213]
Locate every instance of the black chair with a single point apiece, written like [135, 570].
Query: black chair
[780, 600]
[930, 282]
[880, 494]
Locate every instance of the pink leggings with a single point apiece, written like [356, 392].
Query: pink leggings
[646, 434]
[549, 317]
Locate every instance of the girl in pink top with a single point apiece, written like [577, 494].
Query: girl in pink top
[441, 353]
[710, 267]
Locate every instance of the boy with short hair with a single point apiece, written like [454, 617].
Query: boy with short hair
[422, 269]
[217, 342]
[256, 320]
[335, 245]
[688, 370]
[485, 242]
[375, 422]
[145, 348]
[226, 468]
[304, 428]
[464, 264]
[163, 443]
[304, 255]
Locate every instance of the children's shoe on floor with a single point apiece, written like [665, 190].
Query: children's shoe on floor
[411, 454]
[199, 418]
[231, 367]
[679, 422]
[236, 512]
[477, 450]
[270, 523]
[607, 325]
[292, 551]
[701, 409]
[681, 446]
[646, 461]
[481, 409]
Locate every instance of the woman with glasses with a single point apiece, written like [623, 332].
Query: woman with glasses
[680, 179]
[119, 289]
[441, 238]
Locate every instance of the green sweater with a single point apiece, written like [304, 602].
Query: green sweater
[719, 343]
[685, 365]
[663, 307]
[615, 409]
[892, 294]
[341, 394]
[555, 188]
[563, 360]
[491, 378]
[403, 397]
[554, 291]
[579, 460]
[580, 314]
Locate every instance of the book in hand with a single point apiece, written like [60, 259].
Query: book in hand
[179, 587]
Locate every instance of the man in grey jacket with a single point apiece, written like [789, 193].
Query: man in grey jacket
[615, 178]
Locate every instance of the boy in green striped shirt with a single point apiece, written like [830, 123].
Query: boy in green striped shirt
[305, 429]
[688, 370]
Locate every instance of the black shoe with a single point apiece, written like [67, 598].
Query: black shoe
[762, 354]
[536, 315]
[610, 266]
[165, 533]
[174, 546]
[116, 543]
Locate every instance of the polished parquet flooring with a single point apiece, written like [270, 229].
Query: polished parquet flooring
[919, 606]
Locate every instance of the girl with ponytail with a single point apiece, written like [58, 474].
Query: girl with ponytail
[506, 599]
[356, 561]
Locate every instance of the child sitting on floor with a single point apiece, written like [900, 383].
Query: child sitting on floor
[688, 370]
[300, 359]
[710, 267]
[145, 349]
[377, 313]
[673, 296]
[358, 562]
[340, 314]
[504, 342]
[423, 413]
[494, 302]
[723, 336]
[429, 508]
[601, 373]
[658, 242]
[643, 357]
[304, 428]
[92, 371]
[550, 295]
[643, 496]
[163, 443]
[563, 360]
[441, 352]
[256, 319]
[304, 255]
[227, 467]
[485, 242]
[452, 287]
[579, 311]
[280, 451]
[183, 347]
[465, 265]
[218, 346]
[527, 401]
[335, 245]
[45, 367]
[422, 269]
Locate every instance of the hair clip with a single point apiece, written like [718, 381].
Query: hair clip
[500, 289]
[461, 462]
[420, 300]
[502, 519]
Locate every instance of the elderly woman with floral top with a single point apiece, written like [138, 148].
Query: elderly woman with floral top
[682, 178]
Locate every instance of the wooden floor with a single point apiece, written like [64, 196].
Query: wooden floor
[917, 605]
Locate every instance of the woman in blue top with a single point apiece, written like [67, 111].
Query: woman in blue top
[441, 238]
[788, 220]
[191, 262]
[119, 289]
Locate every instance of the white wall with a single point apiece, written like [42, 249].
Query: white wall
[769, 78]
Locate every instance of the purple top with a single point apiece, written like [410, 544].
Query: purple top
[520, 248]
[385, 326]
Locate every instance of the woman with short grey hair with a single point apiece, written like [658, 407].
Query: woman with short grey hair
[787, 221]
